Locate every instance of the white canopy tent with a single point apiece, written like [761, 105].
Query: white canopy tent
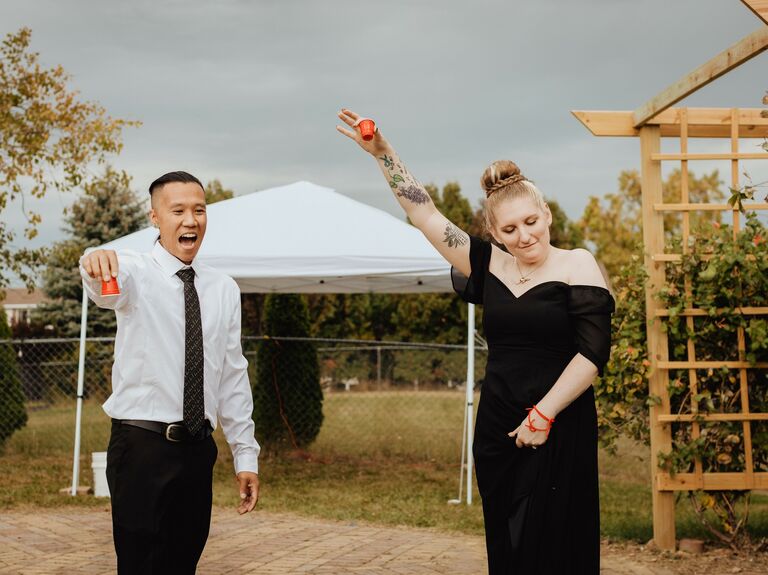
[304, 238]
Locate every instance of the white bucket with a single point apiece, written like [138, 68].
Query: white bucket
[99, 466]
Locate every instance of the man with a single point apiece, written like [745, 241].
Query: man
[178, 369]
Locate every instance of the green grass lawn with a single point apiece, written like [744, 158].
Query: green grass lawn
[384, 457]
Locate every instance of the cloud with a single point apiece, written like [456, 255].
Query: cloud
[247, 91]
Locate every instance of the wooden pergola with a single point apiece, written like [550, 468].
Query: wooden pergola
[651, 122]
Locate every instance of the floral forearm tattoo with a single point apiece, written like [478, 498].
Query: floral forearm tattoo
[402, 183]
[414, 195]
[454, 237]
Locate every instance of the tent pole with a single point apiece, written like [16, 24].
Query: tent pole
[80, 386]
[470, 393]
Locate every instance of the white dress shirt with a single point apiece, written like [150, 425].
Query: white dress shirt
[148, 373]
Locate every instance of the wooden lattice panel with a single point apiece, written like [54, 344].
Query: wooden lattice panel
[678, 122]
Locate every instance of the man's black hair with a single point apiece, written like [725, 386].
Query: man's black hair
[170, 177]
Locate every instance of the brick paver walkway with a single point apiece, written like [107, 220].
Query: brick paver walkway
[79, 541]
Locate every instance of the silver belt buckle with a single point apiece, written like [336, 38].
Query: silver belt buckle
[168, 432]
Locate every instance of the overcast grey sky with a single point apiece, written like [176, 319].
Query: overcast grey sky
[247, 92]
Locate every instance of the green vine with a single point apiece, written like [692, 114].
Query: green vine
[722, 272]
[747, 191]
[622, 393]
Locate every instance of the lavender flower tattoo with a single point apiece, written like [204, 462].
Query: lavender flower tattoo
[414, 195]
[454, 237]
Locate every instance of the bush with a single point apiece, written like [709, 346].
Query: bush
[622, 392]
[13, 413]
[287, 398]
[724, 271]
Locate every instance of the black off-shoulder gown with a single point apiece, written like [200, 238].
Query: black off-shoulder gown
[541, 507]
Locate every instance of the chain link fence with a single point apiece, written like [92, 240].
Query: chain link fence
[375, 399]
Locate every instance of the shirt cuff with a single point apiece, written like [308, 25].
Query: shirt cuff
[247, 462]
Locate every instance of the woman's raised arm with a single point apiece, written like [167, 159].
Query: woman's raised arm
[448, 239]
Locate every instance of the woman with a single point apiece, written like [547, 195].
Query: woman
[546, 314]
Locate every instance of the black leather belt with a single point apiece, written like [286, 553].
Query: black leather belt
[175, 432]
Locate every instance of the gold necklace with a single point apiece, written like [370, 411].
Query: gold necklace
[527, 277]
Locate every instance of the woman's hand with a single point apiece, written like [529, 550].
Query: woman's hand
[523, 435]
[376, 146]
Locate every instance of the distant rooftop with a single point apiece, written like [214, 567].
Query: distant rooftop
[20, 297]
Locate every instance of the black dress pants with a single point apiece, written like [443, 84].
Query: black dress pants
[161, 500]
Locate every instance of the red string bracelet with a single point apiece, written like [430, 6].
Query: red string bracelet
[532, 427]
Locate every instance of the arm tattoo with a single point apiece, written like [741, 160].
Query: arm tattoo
[403, 183]
[396, 179]
[454, 237]
[388, 162]
[414, 195]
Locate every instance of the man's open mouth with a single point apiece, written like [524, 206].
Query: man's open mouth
[188, 240]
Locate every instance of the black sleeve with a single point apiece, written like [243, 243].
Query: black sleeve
[590, 308]
[471, 288]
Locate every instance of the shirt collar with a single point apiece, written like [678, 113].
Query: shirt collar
[169, 263]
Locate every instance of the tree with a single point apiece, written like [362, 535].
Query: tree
[287, 398]
[354, 316]
[13, 413]
[340, 315]
[215, 192]
[107, 209]
[563, 233]
[454, 206]
[613, 226]
[432, 317]
[48, 137]
[621, 393]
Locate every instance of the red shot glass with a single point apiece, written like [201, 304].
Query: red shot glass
[110, 287]
[367, 128]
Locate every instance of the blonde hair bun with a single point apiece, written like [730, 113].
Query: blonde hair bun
[503, 181]
[500, 174]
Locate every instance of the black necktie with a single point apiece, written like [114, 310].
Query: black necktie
[194, 400]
